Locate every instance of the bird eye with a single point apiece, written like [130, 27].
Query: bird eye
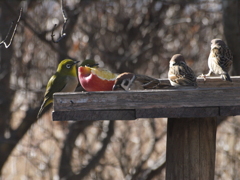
[68, 66]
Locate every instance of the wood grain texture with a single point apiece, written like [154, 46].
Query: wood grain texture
[191, 146]
[173, 98]
[207, 148]
[229, 110]
[218, 82]
[177, 112]
[88, 115]
[214, 81]
[213, 97]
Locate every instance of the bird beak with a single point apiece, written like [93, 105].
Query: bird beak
[75, 62]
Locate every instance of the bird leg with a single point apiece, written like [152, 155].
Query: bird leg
[206, 75]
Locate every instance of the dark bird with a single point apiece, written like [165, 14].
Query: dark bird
[129, 81]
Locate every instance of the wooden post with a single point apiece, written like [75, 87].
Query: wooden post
[191, 147]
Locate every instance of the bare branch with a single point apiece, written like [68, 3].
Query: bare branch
[63, 34]
[11, 29]
[154, 170]
[96, 158]
[138, 168]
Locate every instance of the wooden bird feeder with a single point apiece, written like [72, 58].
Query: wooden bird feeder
[191, 113]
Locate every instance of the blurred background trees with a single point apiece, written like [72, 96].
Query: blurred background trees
[139, 36]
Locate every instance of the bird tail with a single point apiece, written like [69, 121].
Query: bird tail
[226, 77]
[44, 107]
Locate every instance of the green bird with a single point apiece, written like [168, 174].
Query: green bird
[64, 80]
[89, 63]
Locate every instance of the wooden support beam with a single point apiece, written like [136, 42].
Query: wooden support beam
[185, 112]
[191, 147]
[89, 115]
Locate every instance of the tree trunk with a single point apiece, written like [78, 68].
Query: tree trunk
[231, 20]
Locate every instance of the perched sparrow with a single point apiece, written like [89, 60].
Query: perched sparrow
[220, 59]
[129, 81]
[93, 78]
[64, 80]
[179, 73]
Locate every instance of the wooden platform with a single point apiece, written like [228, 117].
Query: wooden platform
[191, 113]
[212, 98]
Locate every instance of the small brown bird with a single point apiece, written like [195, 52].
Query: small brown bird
[129, 81]
[179, 73]
[220, 59]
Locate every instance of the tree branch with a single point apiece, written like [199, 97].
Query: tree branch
[40, 35]
[95, 160]
[150, 150]
[65, 169]
[11, 29]
[63, 34]
[155, 169]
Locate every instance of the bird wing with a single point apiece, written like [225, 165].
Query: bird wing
[182, 75]
[223, 57]
[150, 82]
[147, 82]
[55, 84]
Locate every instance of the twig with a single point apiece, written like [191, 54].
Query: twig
[14, 31]
[155, 169]
[63, 34]
[138, 169]
[96, 158]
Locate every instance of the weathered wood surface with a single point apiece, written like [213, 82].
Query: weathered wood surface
[132, 114]
[191, 146]
[215, 81]
[221, 100]
[173, 98]
[91, 115]
[191, 142]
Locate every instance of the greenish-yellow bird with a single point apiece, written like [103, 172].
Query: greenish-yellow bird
[89, 63]
[64, 80]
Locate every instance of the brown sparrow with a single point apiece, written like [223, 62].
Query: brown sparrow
[129, 81]
[179, 73]
[220, 59]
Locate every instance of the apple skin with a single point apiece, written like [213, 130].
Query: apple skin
[91, 82]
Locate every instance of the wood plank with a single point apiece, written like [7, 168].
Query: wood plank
[165, 98]
[229, 110]
[88, 115]
[177, 112]
[207, 148]
[213, 82]
[95, 115]
[191, 148]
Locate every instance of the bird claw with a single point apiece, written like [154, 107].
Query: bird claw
[204, 76]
